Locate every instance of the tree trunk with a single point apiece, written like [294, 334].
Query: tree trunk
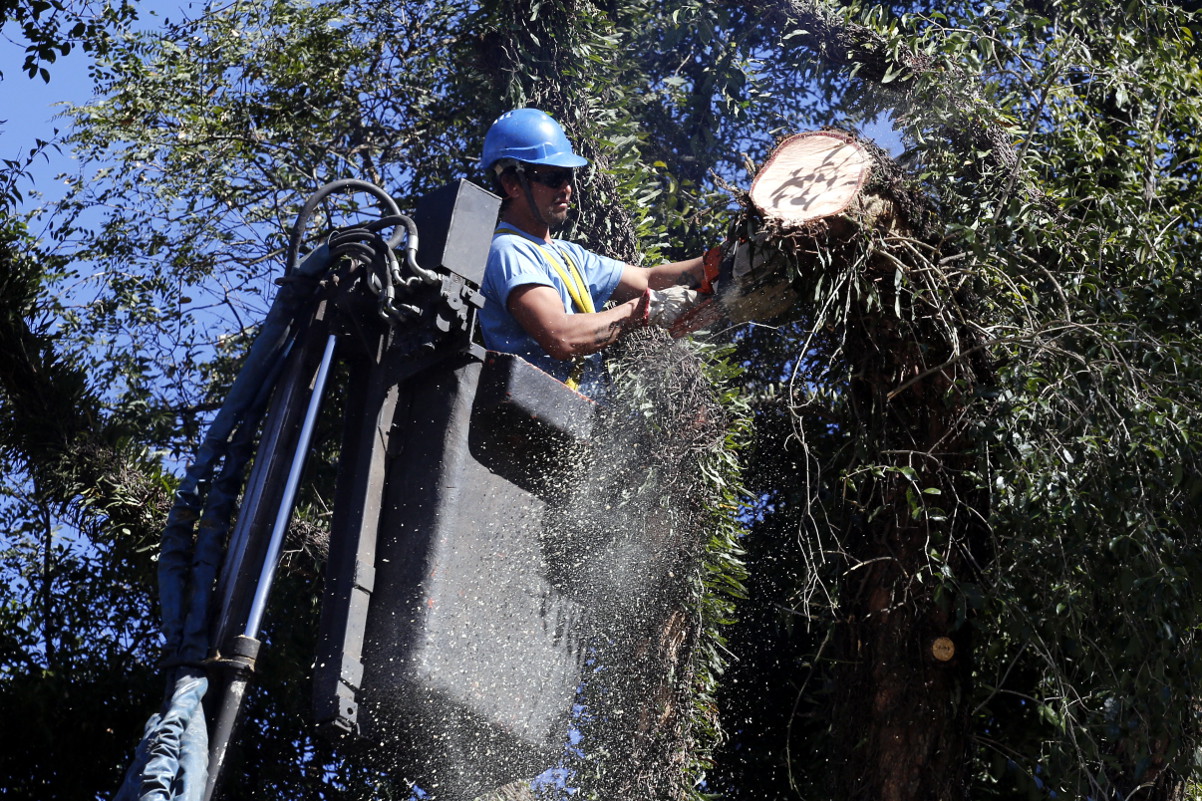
[831, 227]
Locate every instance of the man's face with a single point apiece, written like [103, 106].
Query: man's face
[551, 188]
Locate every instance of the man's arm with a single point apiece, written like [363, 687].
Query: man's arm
[636, 280]
[539, 310]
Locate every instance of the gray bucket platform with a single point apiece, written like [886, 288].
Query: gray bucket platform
[468, 664]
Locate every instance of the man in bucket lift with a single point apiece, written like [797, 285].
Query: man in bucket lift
[544, 294]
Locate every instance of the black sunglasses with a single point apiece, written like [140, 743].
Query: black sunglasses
[552, 179]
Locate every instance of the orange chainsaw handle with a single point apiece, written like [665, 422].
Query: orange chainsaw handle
[712, 262]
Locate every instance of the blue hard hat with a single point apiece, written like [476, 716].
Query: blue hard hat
[530, 136]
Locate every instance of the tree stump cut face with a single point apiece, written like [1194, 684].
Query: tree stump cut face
[810, 176]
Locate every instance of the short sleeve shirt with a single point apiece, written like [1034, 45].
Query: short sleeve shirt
[517, 259]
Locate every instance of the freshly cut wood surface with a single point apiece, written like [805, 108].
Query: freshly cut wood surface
[810, 176]
[809, 200]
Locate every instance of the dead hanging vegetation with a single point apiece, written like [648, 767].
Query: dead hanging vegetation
[997, 413]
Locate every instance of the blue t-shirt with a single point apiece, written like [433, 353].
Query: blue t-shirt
[517, 259]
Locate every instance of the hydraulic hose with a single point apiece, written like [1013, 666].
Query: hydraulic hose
[173, 759]
[392, 218]
[302, 219]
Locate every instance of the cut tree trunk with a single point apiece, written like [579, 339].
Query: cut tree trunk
[829, 236]
[812, 191]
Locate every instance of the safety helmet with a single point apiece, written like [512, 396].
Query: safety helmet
[531, 136]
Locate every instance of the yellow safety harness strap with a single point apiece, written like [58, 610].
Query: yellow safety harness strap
[574, 281]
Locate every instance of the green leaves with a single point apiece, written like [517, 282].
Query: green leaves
[1058, 142]
[53, 28]
[1053, 145]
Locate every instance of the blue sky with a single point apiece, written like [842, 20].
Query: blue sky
[28, 106]
[27, 103]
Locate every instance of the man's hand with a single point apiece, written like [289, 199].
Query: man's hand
[665, 306]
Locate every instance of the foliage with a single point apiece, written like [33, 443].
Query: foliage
[79, 644]
[1066, 237]
[1098, 412]
[722, 582]
[1057, 142]
[217, 148]
[79, 510]
[649, 528]
[53, 28]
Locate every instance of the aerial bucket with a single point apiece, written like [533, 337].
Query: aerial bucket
[443, 639]
[458, 595]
